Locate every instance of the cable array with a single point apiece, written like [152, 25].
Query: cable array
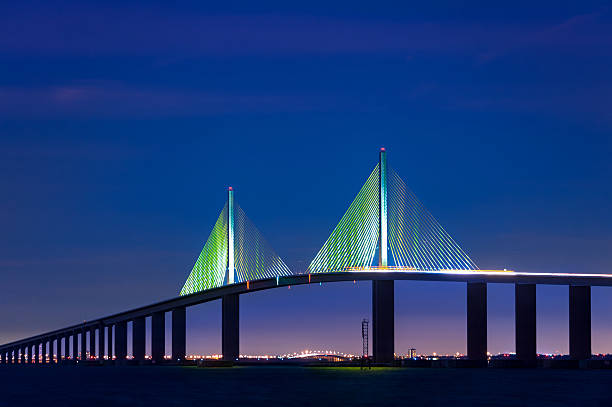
[353, 242]
[254, 257]
[209, 270]
[416, 239]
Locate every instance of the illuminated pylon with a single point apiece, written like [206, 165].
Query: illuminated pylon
[235, 252]
[388, 216]
[382, 217]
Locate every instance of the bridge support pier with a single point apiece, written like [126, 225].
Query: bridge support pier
[59, 349]
[109, 343]
[101, 342]
[580, 322]
[3, 357]
[83, 345]
[477, 321]
[230, 331]
[383, 321]
[525, 325]
[138, 339]
[179, 342]
[121, 341]
[92, 343]
[158, 336]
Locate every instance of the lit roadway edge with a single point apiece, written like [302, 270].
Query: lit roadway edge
[373, 273]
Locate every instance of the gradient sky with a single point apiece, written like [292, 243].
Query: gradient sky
[121, 126]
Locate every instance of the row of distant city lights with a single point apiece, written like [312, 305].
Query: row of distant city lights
[307, 354]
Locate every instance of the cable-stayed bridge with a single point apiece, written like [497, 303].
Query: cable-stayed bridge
[386, 234]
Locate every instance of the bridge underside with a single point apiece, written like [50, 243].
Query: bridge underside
[382, 307]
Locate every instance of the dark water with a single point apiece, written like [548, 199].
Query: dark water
[300, 386]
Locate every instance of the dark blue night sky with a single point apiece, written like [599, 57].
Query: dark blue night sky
[121, 126]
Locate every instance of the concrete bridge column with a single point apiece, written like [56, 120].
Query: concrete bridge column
[121, 341]
[51, 350]
[92, 342]
[179, 341]
[230, 326]
[83, 341]
[37, 353]
[3, 357]
[101, 342]
[66, 348]
[477, 321]
[158, 336]
[22, 356]
[59, 349]
[139, 338]
[580, 322]
[29, 354]
[109, 342]
[383, 321]
[525, 317]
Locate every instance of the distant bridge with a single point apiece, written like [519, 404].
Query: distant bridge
[385, 235]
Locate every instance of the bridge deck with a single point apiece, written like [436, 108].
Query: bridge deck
[485, 276]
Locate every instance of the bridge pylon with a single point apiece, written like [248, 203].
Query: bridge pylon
[235, 252]
[387, 225]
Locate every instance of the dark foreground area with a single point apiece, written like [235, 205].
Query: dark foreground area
[299, 386]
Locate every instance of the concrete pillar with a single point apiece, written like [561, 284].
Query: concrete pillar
[37, 353]
[92, 343]
[230, 327]
[179, 341]
[383, 321]
[121, 341]
[52, 343]
[109, 342]
[29, 354]
[477, 321]
[3, 357]
[101, 342]
[58, 349]
[22, 356]
[580, 322]
[158, 339]
[525, 317]
[139, 338]
[83, 355]
[66, 348]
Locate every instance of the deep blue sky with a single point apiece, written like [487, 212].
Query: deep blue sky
[121, 126]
